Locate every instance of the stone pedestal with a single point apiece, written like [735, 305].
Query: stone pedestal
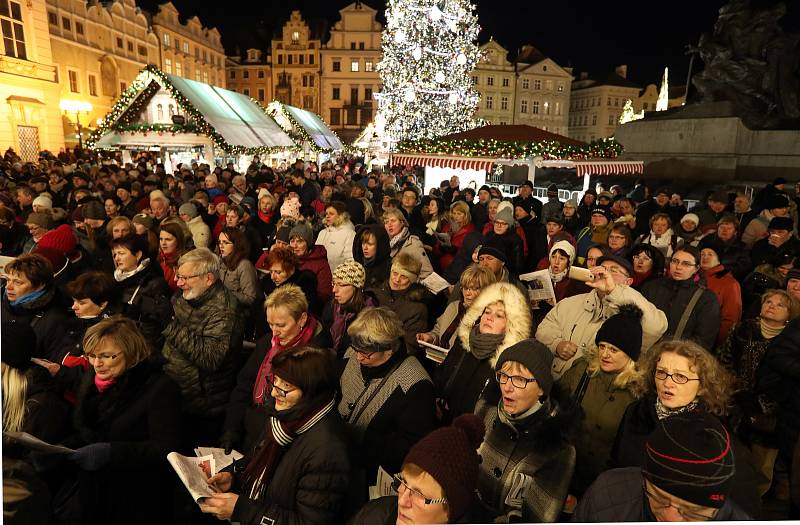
[708, 143]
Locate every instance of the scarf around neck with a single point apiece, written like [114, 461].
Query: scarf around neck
[120, 276]
[265, 370]
[28, 298]
[397, 241]
[663, 412]
[483, 346]
[514, 421]
[769, 332]
[103, 384]
[557, 277]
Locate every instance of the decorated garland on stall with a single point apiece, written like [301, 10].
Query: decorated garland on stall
[298, 131]
[606, 148]
[128, 108]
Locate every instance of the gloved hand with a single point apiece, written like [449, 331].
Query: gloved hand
[228, 441]
[92, 457]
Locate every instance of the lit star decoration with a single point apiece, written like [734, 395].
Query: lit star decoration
[606, 148]
[429, 51]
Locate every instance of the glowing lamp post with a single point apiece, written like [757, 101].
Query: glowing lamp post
[76, 106]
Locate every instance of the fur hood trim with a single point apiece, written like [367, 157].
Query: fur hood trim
[518, 316]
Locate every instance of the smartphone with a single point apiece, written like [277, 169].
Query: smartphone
[580, 274]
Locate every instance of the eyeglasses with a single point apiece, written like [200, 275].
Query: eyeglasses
[179, 277]
[616, 271]
[618, 237]
[685, 264]
[659, 502]
[643, 257]
[500, 223]
[283, 392]
[517, 381]
[677, 377]
[102, 357]
[416, 496]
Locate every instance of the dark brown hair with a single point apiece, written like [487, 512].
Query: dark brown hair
[97, 286]
[241, 248]
[311, 369]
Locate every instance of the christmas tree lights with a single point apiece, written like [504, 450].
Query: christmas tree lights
[429, 52]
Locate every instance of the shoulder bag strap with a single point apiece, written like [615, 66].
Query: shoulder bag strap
[583, 384]
[687, 313]
[353, 418]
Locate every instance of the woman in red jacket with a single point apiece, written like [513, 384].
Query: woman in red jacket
[458, 227]
[727, 289]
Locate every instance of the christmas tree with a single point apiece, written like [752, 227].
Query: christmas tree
[429, 52]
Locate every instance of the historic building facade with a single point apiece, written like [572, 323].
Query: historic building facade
[295, 65]
[494, 78]
[597, 104]
[542, 92]
[251, 75]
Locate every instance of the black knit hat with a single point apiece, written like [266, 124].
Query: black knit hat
[778, 200]
[535, 356]
[623, 330]
[781, 223]
[690, 456]
[552, 189]
[15, 338]
[450, 456]
[603, 210]
[495, 249]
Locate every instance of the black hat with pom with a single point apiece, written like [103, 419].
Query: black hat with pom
[450, 456]
[623, 330]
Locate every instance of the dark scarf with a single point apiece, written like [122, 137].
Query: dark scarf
[483, 346]
[281, 431]
[444, 339]
[640, 278]
[265, 370]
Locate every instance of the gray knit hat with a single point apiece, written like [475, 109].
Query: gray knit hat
[188, 209]
[535, 357]
[304, 231]
[350, 272]
[41, 219]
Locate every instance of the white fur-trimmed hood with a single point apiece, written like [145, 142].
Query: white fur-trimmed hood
[518, 315]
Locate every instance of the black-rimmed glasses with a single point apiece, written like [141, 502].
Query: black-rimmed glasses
[677, 377]
[517, 381]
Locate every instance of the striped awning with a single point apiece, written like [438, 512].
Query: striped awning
[462, 163]
[609, 168]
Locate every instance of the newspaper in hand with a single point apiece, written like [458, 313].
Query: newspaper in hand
[221, 460]
[383, 486]
[194, 473]
[435, 283]
[34, 443]
[540, 287]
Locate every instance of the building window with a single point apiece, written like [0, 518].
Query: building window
[305, 80]
[52, 18]
[261, 95]
[608, 101]
[368, 67]
[78, 28]
[336, 93]
[289, 59]
[505, 82]
[354, 96]
[504, 103]
[611, 120]
[354, 66]
[644, 106]
[205, 56]
[311, 59]
[560, 87]
[168, 65]
[361, 46]
[12, 31]
[594, 120]
[336, 66]
[546, 107]
[122, 87]
[177, 44]
[93, 85]
[119, 42]
[548, 85]
[558, 108]
[367, 94]
[537, 84]
[490, 81]
[280, 59]
[616, 102]
[474, 80]
[489, 102]
[160, 112]
[310, 80]
[142, 50]
[130, 47]
[245, 74]
[535, 107]
[205, 77]
[260, 73]
[352, 45]
[335, 114]
[308, 102]
[186, 47]
[295, 37]
[301, 59]
[526, 83]
[178, 69]
[166, 39]
[73, 81]
[66, 23]
[523, 106]
[246, 91]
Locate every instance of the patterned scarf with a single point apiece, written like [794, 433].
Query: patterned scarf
[396, 242]
[663, 412]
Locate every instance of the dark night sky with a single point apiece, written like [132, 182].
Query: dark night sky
[589, 36]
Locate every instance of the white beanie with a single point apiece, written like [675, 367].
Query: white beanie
[44, 201]
[158, 195]
[566, 247]
[692, 218]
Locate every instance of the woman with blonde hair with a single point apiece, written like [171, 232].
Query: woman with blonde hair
[459, 225]
[402, 241]
[338, 235]
[604, 382]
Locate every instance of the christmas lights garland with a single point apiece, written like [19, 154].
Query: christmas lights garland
[145, 128]
[298, 131]
[606, 148]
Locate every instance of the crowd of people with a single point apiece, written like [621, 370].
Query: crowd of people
[287, 313]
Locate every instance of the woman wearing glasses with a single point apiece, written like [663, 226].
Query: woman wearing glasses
[298, 471]
[681, 377]
[620, 240]
[126, 422]
[648, 264]
[526, 458]
[661, 235]
[692, 311]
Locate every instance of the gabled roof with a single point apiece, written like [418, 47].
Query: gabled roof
[511, 133]
[529, 55]
[612, 79]
[234, 122]
[307, 126]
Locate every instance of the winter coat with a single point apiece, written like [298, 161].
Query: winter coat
[462, 376]
[779, 376]
[139, 416]
[588, 237]
[743, 351]
[602, 407]
[578, 318]
[309, 483]
[201, 233]
[338, 243]
[667, 243]
[733, 254]
[617, 496]
[640, 421]
[463, 257]
[378, 269]
[525, 469]
[757, 228]
[763, 252]
[453, 310]
[513, 248]
[551, 208]
[411, 307]
[145, 298]
[244, 420]
[316, 262]
[241, 281]
[333, 312]
[200, 347]
[672, 297]
[413, 246]
[47, 318]
[447, 254]
[729, 295]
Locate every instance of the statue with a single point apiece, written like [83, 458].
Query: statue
[753, 63]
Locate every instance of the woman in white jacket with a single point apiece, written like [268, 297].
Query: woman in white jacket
[338, 235]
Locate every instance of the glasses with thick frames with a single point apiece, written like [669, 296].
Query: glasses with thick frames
[283, 392]
[416, 496]
[517, 381]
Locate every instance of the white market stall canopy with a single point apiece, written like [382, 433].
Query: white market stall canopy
[235, 123]
[438, 161]
[305, 126]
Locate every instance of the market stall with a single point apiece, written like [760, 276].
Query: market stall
[312, 135]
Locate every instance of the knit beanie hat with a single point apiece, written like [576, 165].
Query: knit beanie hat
[566, 247]
[143, 219]
[449, 455]
[690, 456]
[93, 210]
[41, 219]
[407, 265]
[495, 249]
[535, 357]
[794, 273]
[778, 200]
[350, 272]
[552, 190]
[603, 210]
[781, 223]
[44, 201]
[623, 330]
[16, 339]
[691, 217]
[188, 209]
[219, 199]
[291, 208]
[304, 231]
[505, 213]
[62, 240]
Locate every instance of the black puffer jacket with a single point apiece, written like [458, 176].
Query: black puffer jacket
[46, 316]
[139, 416]
[779, 376]
[410, 305]
[144, 297]
[672, 297]
[512, 247]
[309, 483]
[200, 348]
[377, 269]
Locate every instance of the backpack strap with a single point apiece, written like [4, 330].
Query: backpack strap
[688, 313]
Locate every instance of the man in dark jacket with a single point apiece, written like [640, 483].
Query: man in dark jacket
[201, 344]
[480, 211]
[308, 190]
[733, 254]
[526, 195]
[645, 210]
[718, 203]
[781, 242]
[677, 482]
[553, 206]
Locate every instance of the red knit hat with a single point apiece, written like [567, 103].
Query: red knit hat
[57, 258]
[219, 199]
[61, 239]
[450, 456]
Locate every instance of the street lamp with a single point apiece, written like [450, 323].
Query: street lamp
[77, 106]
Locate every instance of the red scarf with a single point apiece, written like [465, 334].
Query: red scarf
[266, 217]
[265, 370]
[103, 384]
[639, 278]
